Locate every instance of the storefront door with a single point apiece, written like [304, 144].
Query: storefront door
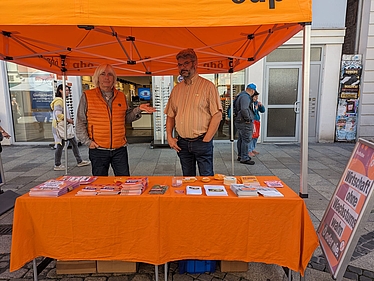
[282, 102]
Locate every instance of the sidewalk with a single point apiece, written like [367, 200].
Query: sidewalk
[27, 166]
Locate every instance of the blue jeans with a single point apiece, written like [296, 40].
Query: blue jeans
[74, 145]
[252, 144]
[101, 159]
[193, 152]
[245, 132]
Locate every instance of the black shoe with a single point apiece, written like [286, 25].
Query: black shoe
[248, 162]
[239, 158]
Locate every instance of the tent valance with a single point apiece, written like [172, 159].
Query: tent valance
[160, 13]
[140, 51]
[143, 38]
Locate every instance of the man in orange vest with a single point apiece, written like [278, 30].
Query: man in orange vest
[101, 123]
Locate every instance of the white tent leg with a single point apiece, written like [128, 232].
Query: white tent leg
[65, 124]
[156, 272]
[232, 137]
[35, 270]
[166, 271]
[305, 112]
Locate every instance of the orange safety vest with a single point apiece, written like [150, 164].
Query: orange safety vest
[106, 126]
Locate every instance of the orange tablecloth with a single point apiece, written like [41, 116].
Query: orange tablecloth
[160, 228]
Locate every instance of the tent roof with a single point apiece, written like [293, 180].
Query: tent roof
[143, 37]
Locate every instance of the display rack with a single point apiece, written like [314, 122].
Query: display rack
[161, 88]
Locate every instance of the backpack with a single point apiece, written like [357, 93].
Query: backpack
[234, 106]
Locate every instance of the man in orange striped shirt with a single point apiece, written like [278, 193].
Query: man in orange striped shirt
[194, 109]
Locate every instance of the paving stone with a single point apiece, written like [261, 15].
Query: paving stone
[364, 278]
[351, 275]
[354, 269]
[11, 275]
[90, 278]
[182, 277]
[368, 274]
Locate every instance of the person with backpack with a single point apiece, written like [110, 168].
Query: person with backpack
[243, 119]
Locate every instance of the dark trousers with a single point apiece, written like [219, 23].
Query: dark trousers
[59, 148]
[101, 160]
[196, 151]
[245, 132]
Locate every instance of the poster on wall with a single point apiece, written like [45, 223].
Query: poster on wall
[346, 120]
[349, 92]
[350, 205]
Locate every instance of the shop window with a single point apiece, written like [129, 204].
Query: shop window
[293, 54]
[31, 92]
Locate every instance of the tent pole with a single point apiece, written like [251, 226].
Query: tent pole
[305, 112]
[65, 124]
[232, 138]
[63, 70]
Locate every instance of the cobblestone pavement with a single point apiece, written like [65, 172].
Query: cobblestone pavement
[26, 166]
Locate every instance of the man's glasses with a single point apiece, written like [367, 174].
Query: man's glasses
[185, 64]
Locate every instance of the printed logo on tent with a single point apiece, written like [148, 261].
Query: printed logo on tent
[271, 2]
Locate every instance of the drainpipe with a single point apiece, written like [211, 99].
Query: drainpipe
[358, 26]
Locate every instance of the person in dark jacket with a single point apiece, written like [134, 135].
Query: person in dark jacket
[243, 111]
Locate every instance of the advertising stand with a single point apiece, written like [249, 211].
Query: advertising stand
[346, 117]
[161, 86]
[350, 205]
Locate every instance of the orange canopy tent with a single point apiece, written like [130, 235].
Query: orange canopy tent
[142, 37]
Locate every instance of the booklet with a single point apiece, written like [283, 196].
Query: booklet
[269, 192]
[132, 189]
[53, 188]
[158, 189]
[215, 190]
[88, 191]
[274, 183]
[193, 190]
[252, 180]
[242, 190]
[81, 179]
[109, 190]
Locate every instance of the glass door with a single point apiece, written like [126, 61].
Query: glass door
[282, 102]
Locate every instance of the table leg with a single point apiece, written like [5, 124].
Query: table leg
[35, 269]
[166, 271]
[156, 272]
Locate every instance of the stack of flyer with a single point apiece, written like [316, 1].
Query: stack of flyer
[134, 186]
[53, 188]
[109, 190]
[89, 190]
[269, 192]
[249, 180]
[242, 190]
[193, 190]
[80, 179]
[274, 183]
[215, 190]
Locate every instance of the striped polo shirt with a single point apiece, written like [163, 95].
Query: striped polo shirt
[193, 106]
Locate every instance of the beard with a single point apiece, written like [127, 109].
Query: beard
[187, 73]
